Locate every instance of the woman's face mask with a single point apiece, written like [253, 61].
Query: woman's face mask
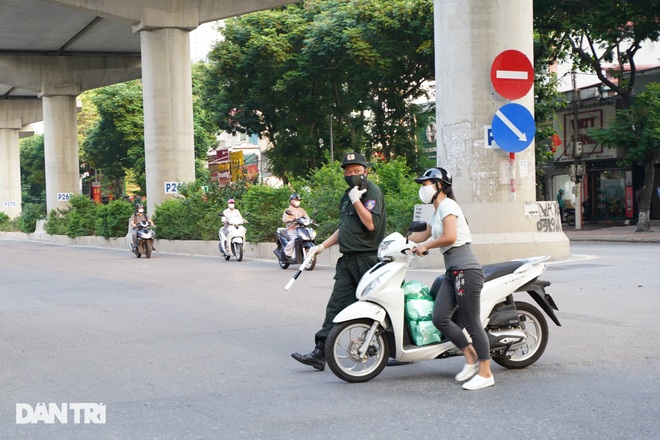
[426, 193]
[231, 206]
[140, 210]
[295, 203]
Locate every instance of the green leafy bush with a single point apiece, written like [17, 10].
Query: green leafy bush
[56, 223]
[112, 219]
[401, 193]
[81, 217]
[31, 212]
[5, 222]
[265, 206]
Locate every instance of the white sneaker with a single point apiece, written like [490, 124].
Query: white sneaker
[467, 372]
[479, 382]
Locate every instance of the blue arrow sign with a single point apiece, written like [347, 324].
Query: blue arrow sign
[513, 127]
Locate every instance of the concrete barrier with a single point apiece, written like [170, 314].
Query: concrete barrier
[261, 251]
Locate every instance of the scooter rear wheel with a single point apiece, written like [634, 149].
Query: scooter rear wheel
[535, 326]
[342, 351]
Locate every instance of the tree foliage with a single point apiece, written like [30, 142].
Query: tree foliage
[637, 129]
[594, 34]
[289, 73]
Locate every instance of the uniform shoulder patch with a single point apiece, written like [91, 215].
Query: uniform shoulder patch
[370, 205]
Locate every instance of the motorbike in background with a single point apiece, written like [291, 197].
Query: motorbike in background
[304, 241]
[145, 240]
[373, 329]
[232, 244]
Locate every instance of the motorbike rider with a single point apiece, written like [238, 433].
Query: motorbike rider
[138, 216]
[362, 221]
[291, 224]
[230, 213]
[464, 278]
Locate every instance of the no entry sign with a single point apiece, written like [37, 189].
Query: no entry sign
[512, 74]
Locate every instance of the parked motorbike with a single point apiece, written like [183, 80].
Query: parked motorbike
[569, 214]
[370, 331]
[304, 242]
[145, 240]
[232, 244]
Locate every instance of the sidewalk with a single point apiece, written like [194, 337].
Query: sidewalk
[609, 232]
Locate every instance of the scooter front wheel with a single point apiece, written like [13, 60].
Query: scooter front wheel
[238, 251]
[535, 326]
[342, 351]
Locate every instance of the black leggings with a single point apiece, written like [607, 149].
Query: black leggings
[462, 289]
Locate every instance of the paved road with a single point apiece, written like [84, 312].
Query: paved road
[181, 347]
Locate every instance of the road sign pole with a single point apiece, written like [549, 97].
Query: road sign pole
[512, 176]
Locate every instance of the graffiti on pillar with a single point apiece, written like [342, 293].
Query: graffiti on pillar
[549, 219]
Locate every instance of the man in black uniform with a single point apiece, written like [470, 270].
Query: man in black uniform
[362, 221]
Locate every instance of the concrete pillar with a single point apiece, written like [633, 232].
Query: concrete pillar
[10, 173]
[60, 150]
[168, 114]
[14, 114]
[59, 80]
[469, 34]
[166, 77]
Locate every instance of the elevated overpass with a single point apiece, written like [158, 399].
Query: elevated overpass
[53, 50]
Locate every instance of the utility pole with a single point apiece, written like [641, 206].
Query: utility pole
[577, 159]
[332, 153]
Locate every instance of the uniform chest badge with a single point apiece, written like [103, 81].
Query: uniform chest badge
[370, 205]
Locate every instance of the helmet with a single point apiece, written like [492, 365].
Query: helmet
[561, 191]
[230, 201]
[353, 158]
[436, 174]
[294, 196]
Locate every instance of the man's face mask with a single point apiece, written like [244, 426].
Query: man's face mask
[295, 203]
[140, 210]
[231, 206]
[356, 180]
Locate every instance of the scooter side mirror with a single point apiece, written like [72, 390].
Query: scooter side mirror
[417, 226]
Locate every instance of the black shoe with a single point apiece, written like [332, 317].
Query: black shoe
[315, 359]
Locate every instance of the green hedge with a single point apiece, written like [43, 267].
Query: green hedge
[196, 214]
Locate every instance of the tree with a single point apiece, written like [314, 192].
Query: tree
[289, 74]
[116, 142]
[637, 129]
[595, 34]
[33, 170]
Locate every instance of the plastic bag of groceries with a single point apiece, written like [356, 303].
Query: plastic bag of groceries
[419, 313]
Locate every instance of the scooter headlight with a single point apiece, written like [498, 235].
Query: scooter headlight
[372, 285]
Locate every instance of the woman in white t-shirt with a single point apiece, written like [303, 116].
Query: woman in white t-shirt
[464, 279]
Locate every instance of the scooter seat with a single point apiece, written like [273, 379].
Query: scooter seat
[491, 271]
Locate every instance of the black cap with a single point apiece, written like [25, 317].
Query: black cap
[353, 158]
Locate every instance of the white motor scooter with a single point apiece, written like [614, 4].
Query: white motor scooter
[373, 329]
[233, 243]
